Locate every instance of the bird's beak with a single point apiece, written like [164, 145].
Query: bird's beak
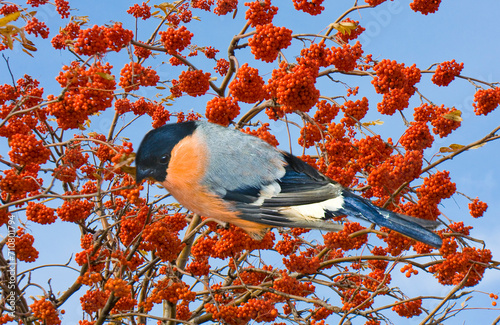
[141, 174]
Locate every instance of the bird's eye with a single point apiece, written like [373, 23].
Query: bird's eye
[164, 159]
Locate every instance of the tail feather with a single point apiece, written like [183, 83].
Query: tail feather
[356, 206]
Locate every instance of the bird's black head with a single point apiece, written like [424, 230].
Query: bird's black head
[154, 152]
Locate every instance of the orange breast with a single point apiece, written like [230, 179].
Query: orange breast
[184, 174]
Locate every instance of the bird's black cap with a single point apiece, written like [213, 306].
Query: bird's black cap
[155, 149]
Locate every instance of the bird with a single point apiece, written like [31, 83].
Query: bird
[237, 178]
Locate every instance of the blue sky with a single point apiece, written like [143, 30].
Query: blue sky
[462, 30]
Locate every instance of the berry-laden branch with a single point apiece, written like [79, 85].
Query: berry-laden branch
[68, 163]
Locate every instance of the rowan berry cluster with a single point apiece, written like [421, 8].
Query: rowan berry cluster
[423, 209]
[19, 184]
[356, 298]
[393, 75]
[396, 243]
[140, 11]
[316, 53]
[117, 37]
[119, 287]
[446, 72]
[203, 247]
[351, 34]
[40, 213]
[124, 304]
[470, 263]
[263, 133]
[24, 246]
[182, 13]
[354, 111]
[223, 7]
[65, 174]
[6, 318]
[396, 82]
[477, 208]
[493, 296]
[396, 99]
[409, 308]
[37, 28]
[94, 300]
[4, 216]
[8, 9]
[325, 112]
[248, 276]
[458, 227]
[222, 67]
[436, 187]
[395, 171]
[310, 134]
[417, 137]
[260, 310]
[343, 240]
[127, 186]
[98, 39]
[134, 75]
[374, 3]
[209, 52]
[85, 322]
[320, 313]
[170, 290]
[142, 52]
[302, 263]
[159, 237]
[268, 41]
[26, 149]
[175, 40]
[36, 3]
[198, 267]
[408, 270]
[74, 210]
[194, 82]
[294, 89]
[62, 7]
[446, 120]
[486, 100]
[371, 152]
[90, 278]
[287, 284]
[45, 311]
[345, 58]
[312, 7]
[222, 110]
[338, 146]
[247, 86]
[425, 7]
[234, 240]
[132, 224]
[66, 36]
[89, 91]
[202, 4]
[95, 262]
[260, 12]
[74, 157]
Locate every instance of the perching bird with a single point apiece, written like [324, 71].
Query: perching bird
[240, 179]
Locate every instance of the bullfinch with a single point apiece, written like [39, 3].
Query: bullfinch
[240, 179]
